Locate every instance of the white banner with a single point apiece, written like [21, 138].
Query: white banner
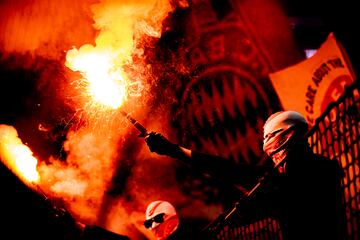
[309, 86]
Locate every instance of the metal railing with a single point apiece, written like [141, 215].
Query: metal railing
[336, 134]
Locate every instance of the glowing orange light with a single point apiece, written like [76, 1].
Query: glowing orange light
[17, 156]
[122, 25]
[105, 80]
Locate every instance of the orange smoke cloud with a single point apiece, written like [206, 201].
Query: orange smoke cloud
[50, 28]
[121, 25]
[44, 28]
[83, 179]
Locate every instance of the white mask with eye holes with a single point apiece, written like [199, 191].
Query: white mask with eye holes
[161, 219]
[282, 131]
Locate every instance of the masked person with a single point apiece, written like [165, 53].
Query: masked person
[304, 193]
[161, 219]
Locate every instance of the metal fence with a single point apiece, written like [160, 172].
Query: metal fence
[336, 134]
[264, 229]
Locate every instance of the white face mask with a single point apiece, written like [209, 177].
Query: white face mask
[281, 132]
[161, 219]
[279, 144]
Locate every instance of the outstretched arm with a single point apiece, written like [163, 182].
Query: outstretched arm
[159, 144]
[207, 163]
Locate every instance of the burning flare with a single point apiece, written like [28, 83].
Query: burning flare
[17, 156]
[122, 26]
[105, 81]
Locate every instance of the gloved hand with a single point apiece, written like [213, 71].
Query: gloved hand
[159, 144]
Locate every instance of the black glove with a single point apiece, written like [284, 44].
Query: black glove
[161, 145]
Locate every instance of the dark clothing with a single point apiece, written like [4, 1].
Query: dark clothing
[307, 198]
[188, 229]
[92, 232]
[226, 168]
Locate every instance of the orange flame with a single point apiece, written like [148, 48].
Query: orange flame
[121, 25]
[17, 156]
[105, 81]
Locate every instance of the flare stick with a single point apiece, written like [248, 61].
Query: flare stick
[139, 126]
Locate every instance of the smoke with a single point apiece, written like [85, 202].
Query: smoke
[44, 28]
[120, 22]
[102, 147]
[83, 179]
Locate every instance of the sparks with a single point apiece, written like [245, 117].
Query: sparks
[106, 82]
